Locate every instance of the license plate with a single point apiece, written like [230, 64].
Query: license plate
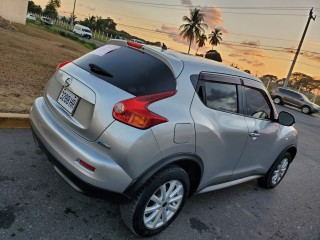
[68, 100]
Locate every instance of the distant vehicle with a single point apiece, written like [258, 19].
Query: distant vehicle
[295, 99]
[83, 31]
[46, 21]
[31, 17]
[137, 41]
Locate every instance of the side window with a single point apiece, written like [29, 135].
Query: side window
[221, 96]
[256, 104]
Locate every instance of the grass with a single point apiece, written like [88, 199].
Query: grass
[62, 33]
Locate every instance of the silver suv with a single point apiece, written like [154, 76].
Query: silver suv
[295, 99]
[158, 126]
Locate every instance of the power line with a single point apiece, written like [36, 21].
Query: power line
[269, 48]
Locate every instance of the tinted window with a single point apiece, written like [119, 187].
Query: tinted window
[256, 104]
[133, 71]
[221, 96]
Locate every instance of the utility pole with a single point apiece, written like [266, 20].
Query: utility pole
[299, 47]
[72, 17]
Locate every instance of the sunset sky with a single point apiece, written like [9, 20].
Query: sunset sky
[259, 35]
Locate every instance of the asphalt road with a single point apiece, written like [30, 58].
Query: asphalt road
[35, 203]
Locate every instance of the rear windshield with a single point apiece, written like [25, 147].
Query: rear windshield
[132, 71]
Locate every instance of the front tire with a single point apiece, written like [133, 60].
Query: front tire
[157, 203]
[277, 100]
[277, 172]
[306, 110]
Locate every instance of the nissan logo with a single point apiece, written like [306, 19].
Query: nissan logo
[68, 81]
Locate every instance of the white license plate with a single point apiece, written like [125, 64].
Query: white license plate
[68, 100]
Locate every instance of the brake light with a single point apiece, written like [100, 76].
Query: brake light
[135, 112]
[60, 65]
[134, 44]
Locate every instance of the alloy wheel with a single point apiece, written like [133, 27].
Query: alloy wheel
[280, 171]
[163, 204]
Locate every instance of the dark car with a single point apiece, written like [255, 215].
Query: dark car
[46, 21]
[295, 99]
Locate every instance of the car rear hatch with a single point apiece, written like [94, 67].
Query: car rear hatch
[82, 93]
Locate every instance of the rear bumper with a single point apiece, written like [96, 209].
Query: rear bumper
[64, 148]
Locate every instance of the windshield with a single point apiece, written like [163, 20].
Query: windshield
[86, 30]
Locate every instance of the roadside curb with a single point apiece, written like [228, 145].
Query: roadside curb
[14, 120]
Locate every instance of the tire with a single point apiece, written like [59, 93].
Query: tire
[175, 180]
[306, 110]
[277, 172]
[277, 100]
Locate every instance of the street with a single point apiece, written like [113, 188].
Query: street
[36, 203]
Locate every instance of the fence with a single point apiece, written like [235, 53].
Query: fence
[97, 35]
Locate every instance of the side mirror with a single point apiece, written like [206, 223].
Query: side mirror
[286, 119]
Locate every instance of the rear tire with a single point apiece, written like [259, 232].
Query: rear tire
[277, 172]
[157, 203]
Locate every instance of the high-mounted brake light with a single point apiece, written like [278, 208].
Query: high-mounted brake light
[135, 112]
[134, 44]
[60, 65]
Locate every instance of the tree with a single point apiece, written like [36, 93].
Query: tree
[194, 26]
[215, 37]
[50, 11]
[201, 41]
[213, 55]
[55, 3]
[304, 82]
[247, 71]
[234, 65]
[32, 8]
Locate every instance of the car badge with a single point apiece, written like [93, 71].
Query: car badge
[68, 81]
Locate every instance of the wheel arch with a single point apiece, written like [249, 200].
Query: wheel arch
[191, 163]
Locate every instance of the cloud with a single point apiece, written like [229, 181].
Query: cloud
[213, 16]
[186, 2]
[173, 33]
[251, 43]
[252, 62]
[235, 55]
[311, 56]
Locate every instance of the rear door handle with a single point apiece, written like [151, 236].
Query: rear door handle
[254, 134]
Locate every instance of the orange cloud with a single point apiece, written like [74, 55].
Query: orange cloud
[213, 16]
[186, 2]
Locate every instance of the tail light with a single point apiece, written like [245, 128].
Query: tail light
[60, 65]
[134, 44]
[135, 112]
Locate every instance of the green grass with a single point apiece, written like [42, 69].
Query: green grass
[62, 33]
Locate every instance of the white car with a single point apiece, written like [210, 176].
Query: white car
[83, 31]
[31, 17]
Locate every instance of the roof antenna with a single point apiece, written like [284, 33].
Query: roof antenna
[164, 47]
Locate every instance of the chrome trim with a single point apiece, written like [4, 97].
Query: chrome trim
[229, 184]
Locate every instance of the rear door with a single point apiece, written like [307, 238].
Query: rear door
[264, 133]
[221, 129]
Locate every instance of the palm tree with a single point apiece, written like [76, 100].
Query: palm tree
[215, 37]
[201, 41]
[194, 27]
[56, 3]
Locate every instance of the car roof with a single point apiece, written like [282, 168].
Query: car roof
[174, 57]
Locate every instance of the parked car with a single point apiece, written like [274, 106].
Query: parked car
[31, 17]
[158, 126]
[83, 31]
[46, 21]
[295, 99]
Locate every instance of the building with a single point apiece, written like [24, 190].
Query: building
[14, 10]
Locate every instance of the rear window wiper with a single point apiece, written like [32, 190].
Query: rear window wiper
[95, 68]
